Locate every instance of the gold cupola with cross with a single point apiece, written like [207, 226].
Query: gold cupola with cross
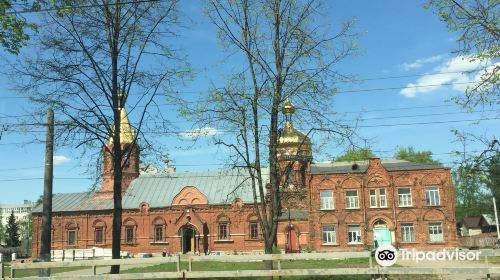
[293, 145]
[130, 150]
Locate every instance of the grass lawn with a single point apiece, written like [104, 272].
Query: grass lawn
[231, 266]
[34, 272]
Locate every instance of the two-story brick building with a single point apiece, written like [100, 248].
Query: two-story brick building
[325, 206]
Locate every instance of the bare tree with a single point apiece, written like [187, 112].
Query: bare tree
[93, 59]
[288, 53]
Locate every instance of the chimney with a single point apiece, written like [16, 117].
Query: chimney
[170, 167]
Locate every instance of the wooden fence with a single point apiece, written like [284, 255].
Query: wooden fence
[278, 271]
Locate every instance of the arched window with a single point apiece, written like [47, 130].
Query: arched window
[99, 232]
[223, 228]
[71, 233]
[159, 229]
[130, 231]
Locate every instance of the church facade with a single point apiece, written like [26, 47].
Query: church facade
[340, 206]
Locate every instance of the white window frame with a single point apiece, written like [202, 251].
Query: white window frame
[354, 234]
[436, 232]
[405, 200]
[373, 198]
[407, 232]
[384, 196]
[432, 197]
[327, 201]
[351, 202]
[328, 237]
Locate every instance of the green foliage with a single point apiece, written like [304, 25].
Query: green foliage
[477, 23]
[2, 233]
[13, 28]
[355, 155]
[493, 176]
[12, 232]
[276, 250]
[471, 194]
[410, 154]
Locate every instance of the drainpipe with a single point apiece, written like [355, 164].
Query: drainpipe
[364, 207]
[393, 205]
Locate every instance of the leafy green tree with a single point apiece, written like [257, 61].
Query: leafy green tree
[2, 232]
[477, 23]
[356, 154]
[12, 232]
[13, 28]
[493, 176]
[410, 154]
[472, 197]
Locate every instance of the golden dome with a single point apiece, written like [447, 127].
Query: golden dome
[288, 109]
[127, 133]
[293, 144]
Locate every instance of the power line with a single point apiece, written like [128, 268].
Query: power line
[362, 119]
[337, 92]
[182, 132]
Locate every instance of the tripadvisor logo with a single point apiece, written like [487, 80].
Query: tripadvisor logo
[386, 255]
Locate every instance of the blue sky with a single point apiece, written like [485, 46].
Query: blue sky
[398, 38]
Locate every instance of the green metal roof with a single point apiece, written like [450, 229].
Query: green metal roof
[158, 190]
[362, 165]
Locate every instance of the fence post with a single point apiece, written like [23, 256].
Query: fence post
[64, 255]
[12, 271]
[190, 261]
[73, 254]
[94, 270]
[370, 261]
[178, 263]
[2, 270]
[488, 276]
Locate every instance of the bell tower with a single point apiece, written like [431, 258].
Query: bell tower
[294, 152]
[130, 158]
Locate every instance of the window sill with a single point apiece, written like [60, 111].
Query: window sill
[223, 241]
[353, 208]
[159, 243]
[250, 239]
[381, 207]
[409, 242]
[327, 209]
[436, 242]
[330, 244]
[130, 244]
[407, 206]
[355, 243]
[433, 205]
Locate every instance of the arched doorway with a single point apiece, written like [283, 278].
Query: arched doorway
[189, 239]
[381, 233]
[292, 240]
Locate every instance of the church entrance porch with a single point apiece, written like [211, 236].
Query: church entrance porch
[189, 239]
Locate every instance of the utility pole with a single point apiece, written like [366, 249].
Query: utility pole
[496, 218]
[46, 240]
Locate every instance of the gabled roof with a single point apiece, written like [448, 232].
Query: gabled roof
[158, 190]
[362, 165]
[489, 219]
[472, 222]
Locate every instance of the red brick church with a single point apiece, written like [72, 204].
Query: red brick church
[339, 206]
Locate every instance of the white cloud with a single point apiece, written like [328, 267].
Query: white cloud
[60, 160]
[199, 132]
[420, 62]
[452, 74]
